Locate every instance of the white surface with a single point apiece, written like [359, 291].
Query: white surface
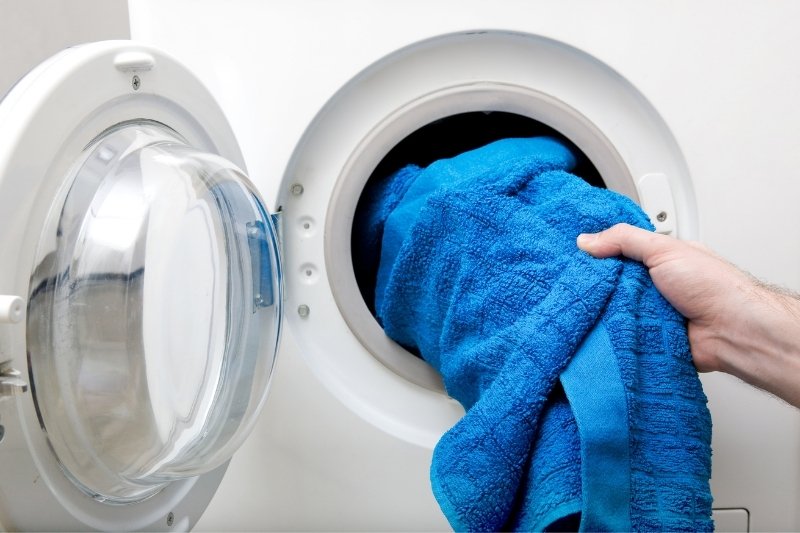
[33, 30]
[47, 121]
[721, 76]
[732, 520]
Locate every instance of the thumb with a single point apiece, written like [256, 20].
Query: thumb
[623, 239]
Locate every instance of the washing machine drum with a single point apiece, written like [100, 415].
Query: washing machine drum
[152, 275]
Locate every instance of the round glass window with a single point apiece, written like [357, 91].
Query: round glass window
[154, 313]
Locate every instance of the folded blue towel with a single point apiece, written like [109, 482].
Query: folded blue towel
[582, 402]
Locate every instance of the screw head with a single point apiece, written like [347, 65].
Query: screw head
[297, 189]
[303, 311]
[662, 216]
[136, 83]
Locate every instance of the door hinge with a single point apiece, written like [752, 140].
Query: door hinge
[11, 382]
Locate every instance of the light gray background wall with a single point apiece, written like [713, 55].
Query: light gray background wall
[33, 30]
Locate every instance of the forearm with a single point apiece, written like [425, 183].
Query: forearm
[760, 342]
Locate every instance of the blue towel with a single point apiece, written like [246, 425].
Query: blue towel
[582, 403]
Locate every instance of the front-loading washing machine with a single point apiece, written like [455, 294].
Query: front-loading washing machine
[145, 272]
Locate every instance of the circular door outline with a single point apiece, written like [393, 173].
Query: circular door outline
[441, 104]
[374, 111]
[84, 213]
[48, 119]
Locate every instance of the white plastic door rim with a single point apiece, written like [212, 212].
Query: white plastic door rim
[154, 287]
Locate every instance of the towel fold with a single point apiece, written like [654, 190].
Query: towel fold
[582, 402]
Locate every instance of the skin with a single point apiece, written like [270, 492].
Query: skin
[736, 324]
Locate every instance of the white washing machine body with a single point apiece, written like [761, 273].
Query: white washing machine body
[346, 80]
[688, 109]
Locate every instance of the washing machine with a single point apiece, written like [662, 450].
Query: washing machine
[184, 342]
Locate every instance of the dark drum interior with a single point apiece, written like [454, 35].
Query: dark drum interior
[447, 138]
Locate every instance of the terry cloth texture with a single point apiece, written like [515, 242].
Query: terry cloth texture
[582, 402]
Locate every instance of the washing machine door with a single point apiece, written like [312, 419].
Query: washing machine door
[151, 272]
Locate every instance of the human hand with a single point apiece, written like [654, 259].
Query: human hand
[736, 324]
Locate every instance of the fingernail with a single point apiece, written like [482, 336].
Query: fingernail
[585, 239]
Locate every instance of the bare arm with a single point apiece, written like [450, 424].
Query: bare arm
[736, 324]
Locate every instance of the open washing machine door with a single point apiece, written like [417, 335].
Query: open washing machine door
[152, 277]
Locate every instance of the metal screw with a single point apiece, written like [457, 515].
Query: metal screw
[170, 519]
[297, 189]
[136, 83]
[303, 311]
[662, 216]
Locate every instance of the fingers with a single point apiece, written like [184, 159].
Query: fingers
[624, 239]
